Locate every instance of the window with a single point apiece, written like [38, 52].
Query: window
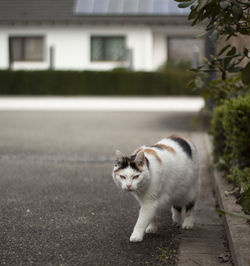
[104, 48]
[185, 48]
[26, 48]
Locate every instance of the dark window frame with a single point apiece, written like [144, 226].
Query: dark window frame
[24, 39]
[104, 39]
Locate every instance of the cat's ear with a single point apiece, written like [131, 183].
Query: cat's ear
[140, 158]
[118, 155]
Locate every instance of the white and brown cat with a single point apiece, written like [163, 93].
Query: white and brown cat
[164, 173]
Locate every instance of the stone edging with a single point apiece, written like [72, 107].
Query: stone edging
[237, 230]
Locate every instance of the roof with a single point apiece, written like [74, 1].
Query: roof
[129, 7]
[91, 11]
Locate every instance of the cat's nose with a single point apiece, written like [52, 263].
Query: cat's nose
[128, 185]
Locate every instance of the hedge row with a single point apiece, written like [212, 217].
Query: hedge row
[230, 128]
[94, 83]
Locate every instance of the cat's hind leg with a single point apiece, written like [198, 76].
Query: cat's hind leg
[176, 214]
[152, 228]
[187, 214]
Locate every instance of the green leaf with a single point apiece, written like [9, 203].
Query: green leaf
[245, 200]
[246, 52]
[214, 36]
[202, 4]
[246, 74]
[245, 31]
[192, 14]
[186, 4]
[223, 49]
[233, 214]
[237, 12]
[224, 5]
[232, 51]
[234, 69]
[199, 83]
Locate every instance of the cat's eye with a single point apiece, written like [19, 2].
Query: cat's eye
[122, 177]
[135, 177]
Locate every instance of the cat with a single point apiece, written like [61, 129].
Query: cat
[164, 173]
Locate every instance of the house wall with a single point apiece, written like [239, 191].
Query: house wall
[159, 49]
[3, 50]
[72, 46]
[162, 34]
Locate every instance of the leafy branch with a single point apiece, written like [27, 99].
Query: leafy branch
[223, 18]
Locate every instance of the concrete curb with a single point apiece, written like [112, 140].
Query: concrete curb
[237, 230]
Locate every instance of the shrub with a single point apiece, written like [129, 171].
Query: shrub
[236, 123]
[217, 130]
[230, 128]
[240, 177]
[219, 90]
[172, 82]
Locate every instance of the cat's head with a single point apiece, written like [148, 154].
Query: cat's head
[131, 172]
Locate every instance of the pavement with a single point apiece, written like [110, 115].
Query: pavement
[237, 230]
[148, 104]
[59, 205]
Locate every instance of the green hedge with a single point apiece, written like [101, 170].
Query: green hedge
[230, 128]
[218, 132]
[94, 83]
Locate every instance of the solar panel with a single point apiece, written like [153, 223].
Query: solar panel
[85, 6]
[160, 7]
[115, 7]
[145, 6]
[129, 7]
[100, 6]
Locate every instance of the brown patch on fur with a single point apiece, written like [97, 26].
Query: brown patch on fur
[116, 172]
[176, 136]
[138, 151]
[152, 152]
[168, 148]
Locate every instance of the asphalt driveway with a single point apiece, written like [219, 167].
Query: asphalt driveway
[58, 203]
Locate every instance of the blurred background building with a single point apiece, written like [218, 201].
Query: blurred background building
[95, 34]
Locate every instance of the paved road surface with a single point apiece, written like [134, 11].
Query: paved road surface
[58, 203]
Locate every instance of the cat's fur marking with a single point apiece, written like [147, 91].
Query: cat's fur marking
[183, 143]
[162, 146]
[164, 173]
[152, 152]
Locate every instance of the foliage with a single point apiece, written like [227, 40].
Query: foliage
[236, 124]
[220, 90]
[240, 177]
[245, 198]
[217, 130]
[223, 19]
[233, 214]
[230, 128]
[230, 83]
[183, 65]
[118, 82]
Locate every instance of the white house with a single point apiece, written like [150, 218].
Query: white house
[95, 34]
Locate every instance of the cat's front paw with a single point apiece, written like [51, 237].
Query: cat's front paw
[136, 238]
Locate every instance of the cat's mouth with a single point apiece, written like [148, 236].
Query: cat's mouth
[129, 189]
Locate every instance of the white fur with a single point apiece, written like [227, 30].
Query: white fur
[173, 181]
